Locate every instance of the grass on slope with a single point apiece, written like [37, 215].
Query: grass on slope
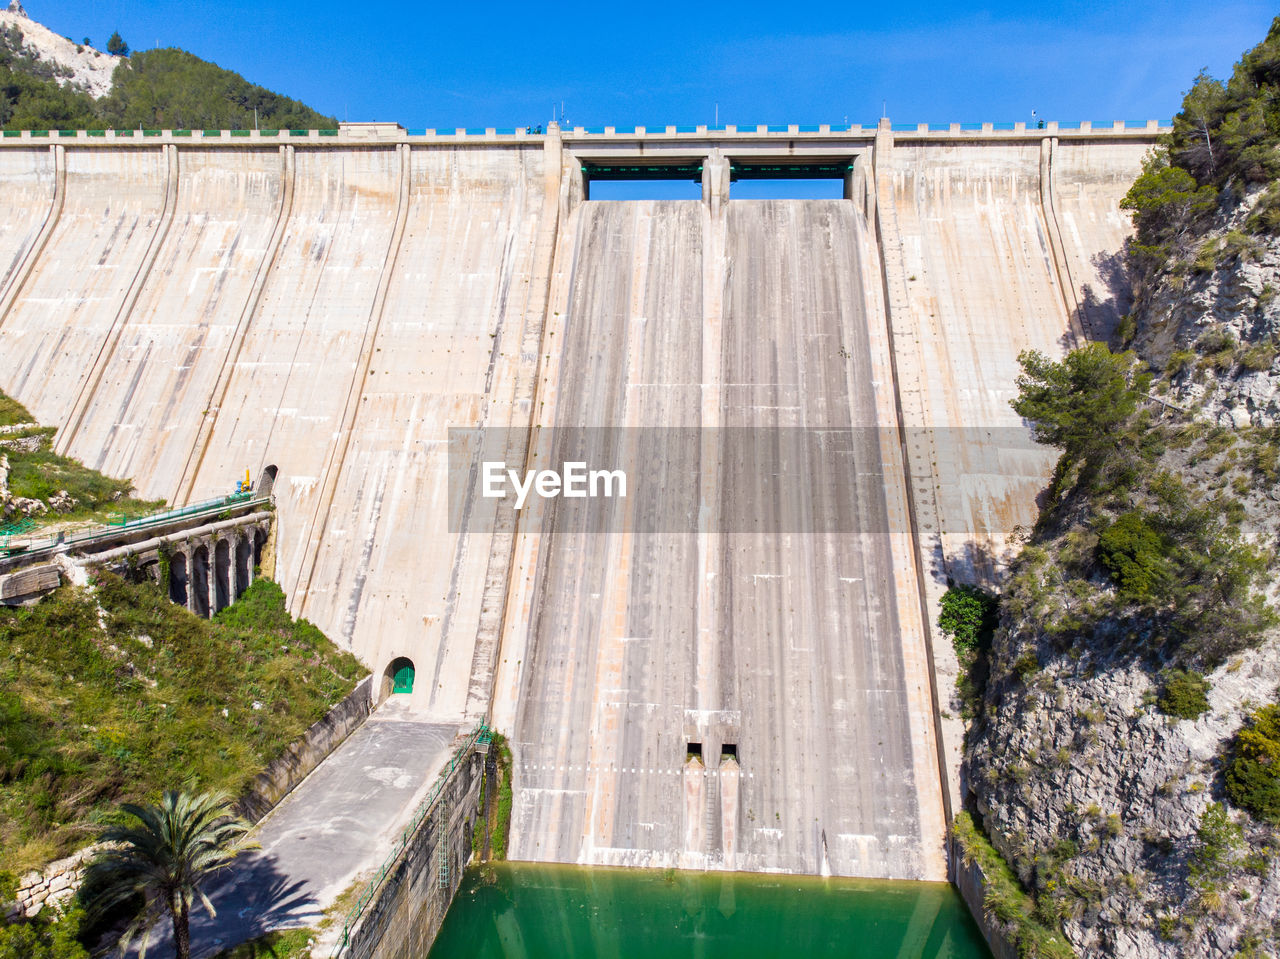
[289, 944]
[41, 474]
[117, 703]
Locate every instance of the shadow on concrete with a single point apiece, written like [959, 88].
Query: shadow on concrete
[1102, 308]
[252, 898]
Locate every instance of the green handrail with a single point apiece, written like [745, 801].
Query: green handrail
[117, 522]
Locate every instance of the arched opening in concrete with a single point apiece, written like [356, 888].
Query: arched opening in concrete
[221, 575]
[398, 677]
[149, 572]
[643, 180]
[266, 481]
[200, 581]
[178, 579]
[259, 544]
[244, 557]
[790, 179]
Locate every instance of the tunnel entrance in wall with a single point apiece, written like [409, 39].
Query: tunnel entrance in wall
[400, 675]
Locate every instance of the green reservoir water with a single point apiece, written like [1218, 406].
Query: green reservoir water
[525, 911]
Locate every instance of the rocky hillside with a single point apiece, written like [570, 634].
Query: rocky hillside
[44, 53]
[1124, 751]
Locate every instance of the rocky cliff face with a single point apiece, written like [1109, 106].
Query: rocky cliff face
[71, 64]
[1101, 801]
[1213, 323]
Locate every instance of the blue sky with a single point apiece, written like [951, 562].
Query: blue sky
[495, 64]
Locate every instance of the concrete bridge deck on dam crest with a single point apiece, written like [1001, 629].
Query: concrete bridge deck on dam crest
[184, 307]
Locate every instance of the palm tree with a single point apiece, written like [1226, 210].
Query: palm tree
[165, 857]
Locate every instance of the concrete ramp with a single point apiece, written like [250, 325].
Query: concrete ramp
[792, 659]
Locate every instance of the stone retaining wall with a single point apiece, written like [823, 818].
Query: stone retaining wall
[51, 886]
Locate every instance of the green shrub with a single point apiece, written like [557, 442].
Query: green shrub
[1240, 246]
[1126, 329]
[1184, 694]
[1259, 356]
[1026, 665]
[1206, 258]
[44, 937]
[1253, 767]
[1005, 899]
[1179, 360]
[969, 617]
[502, 816]
[289, 944]
[1265, 215]
[1078, 404]
[1218, 841]
[1216, 340]
[1134, 554]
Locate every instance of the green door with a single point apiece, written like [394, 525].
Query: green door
[402, 682]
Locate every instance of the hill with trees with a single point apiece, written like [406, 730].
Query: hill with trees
[50, 82]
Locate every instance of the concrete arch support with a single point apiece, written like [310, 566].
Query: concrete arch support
[221, 593]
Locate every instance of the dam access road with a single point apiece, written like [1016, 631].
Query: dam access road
[733, 667]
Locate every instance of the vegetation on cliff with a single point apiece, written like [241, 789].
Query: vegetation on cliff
[1031, 933]
[493, 828]
[1119, 759]
[1222, 144]
[173, 89]
[114, 694]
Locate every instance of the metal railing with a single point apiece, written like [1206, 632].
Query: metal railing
[115, 525]
[481, 734]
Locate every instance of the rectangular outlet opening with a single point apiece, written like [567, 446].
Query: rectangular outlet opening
[788, 180]
[631, 180]
[787, 190]
[729, 751]
[693, 751]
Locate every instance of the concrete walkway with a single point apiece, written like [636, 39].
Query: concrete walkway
[338, 825]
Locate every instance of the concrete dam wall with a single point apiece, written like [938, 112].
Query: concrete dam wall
[736, 669]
